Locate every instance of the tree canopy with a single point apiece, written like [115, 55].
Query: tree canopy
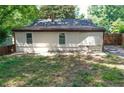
[106, 15]
[55, 11]
[15, 16]
[18, 16]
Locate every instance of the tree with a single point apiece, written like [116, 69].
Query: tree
[15, 16]
[59, 12]
[81, 16]
[117, 26]
[106, 14]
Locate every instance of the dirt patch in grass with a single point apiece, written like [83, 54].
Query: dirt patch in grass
[60, 71]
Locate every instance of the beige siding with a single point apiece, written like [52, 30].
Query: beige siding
[122, 38]
[45, 41]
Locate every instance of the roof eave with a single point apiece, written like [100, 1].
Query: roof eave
[58, 30]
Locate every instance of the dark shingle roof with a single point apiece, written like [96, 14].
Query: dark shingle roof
[64, 24]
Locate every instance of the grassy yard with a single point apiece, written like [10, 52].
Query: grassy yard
[61, 71]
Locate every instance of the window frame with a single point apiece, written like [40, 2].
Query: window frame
[64, 38]
[28, 42]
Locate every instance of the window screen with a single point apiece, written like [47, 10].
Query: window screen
[29, 38]
[62, 38]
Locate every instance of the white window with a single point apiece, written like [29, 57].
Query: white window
[62, 38]
[29, 38]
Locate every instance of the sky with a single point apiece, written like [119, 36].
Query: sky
[83, 9]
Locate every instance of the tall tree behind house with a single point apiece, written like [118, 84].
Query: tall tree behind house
[108, 16]
[58, 12]
[15, 16]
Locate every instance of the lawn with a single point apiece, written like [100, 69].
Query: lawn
[60, 71]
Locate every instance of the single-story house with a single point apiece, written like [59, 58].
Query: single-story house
[122, 38]
[66, 35]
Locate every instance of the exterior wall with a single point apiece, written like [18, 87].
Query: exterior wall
[49, 41]
[122, 38]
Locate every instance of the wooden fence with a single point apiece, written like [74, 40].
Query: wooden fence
[112, 39]
[7, 49]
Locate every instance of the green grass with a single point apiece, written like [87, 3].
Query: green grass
[60, 71]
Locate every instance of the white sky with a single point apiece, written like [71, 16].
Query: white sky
[83, 9]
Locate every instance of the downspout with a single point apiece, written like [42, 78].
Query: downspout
[103, 42]
[14, 42]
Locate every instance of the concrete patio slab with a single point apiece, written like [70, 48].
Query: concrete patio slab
[117, 50]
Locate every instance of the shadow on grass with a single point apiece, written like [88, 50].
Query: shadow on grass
[39, 71]
[112, 59]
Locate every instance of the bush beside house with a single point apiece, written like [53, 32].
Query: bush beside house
[8, 41]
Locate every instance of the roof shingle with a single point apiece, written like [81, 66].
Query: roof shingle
[64, 24]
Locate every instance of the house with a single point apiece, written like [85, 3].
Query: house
[122, 38]
[67, 35]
